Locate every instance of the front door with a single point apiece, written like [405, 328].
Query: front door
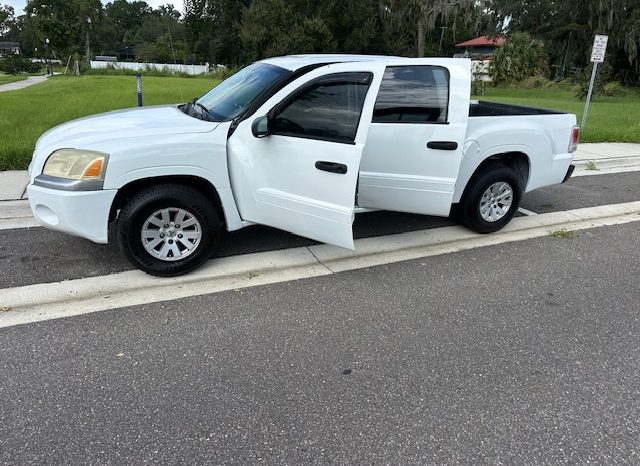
[414, 146]
[302, 177]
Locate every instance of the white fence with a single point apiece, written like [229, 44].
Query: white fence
[118, 65]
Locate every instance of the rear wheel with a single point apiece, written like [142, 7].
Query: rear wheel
[491, 201]
[168, 230]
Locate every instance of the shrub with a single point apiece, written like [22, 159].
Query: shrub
[477, 86]
[14, 64]
[582, 78]
[536, 82]
[519, 58]
[614, 89]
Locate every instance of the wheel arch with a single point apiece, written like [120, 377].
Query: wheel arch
[517, 161]
[202, 185]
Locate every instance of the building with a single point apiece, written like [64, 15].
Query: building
[480, 50]
[9, 48]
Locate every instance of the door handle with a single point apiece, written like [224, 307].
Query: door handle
[442, 145]
[331, 167]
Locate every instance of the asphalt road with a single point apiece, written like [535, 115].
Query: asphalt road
[29, 256]
[523, 353]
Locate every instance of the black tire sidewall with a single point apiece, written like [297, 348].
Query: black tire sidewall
[141, 206]
[470, 210]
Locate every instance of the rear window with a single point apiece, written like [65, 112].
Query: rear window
[413, 94]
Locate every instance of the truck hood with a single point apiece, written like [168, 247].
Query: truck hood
[120, 124]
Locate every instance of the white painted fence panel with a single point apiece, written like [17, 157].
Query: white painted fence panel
[118, 65]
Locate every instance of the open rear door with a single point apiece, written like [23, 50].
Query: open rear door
[301, 177]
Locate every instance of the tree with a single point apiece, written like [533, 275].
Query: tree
[424, 14]
[70, 25]
[519, 58]
[7, 19]
[567, 28]
[280, 27]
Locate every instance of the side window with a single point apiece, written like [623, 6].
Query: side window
[328, 109]
[413, 94]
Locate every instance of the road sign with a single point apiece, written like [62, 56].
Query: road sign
[597, 56]
[599, 48]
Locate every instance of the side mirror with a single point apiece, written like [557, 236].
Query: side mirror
[260, 127]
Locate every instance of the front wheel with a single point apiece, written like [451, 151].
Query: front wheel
[491, 201]
[168, 230]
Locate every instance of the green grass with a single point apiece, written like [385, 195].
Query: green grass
[9, 78]
[27, 113]
[563, 233]
[610, 119]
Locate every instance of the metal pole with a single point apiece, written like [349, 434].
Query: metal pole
[139, 85]
[586, 105]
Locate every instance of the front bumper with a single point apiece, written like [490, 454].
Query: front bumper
[78, 213]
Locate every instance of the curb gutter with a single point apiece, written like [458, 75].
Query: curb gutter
[74, 297]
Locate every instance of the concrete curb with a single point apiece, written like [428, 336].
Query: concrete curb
[74, 297]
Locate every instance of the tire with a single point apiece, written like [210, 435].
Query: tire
[152, 238]
[491, 200]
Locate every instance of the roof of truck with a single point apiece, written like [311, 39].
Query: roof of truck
[294, 62]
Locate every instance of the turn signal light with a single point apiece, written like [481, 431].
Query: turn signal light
[94, 170]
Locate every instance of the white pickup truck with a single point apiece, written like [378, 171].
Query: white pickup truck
[299, 143]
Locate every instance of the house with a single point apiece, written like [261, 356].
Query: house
[480, 50]
[9, 48]
[482, 47]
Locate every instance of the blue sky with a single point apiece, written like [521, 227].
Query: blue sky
[18, 5]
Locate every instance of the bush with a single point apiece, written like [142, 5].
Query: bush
[583, 77]
[478, 86]
[14, 64]
[614, 89]
[519, 58]
[536, 82]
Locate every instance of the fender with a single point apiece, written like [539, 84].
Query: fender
[473, 158]
[231, 214]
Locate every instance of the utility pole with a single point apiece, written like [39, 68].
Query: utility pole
[88, 44]
[48, 59]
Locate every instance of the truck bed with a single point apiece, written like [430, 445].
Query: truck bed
[483, 109]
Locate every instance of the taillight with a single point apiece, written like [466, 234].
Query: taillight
[575, 136]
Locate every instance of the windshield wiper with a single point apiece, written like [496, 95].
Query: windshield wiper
[202, 113]
[202, 108]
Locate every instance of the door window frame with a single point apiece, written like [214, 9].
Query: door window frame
[446, 122]
[360, 77]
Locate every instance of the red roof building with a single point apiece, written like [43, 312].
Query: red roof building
[484, 41]
[481, 47]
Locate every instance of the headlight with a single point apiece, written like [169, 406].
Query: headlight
[73, 170]
[72, 164]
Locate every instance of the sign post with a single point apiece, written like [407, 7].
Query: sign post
[597, 56]
[139, 86]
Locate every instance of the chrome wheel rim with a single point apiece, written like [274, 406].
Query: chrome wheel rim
[171, 234]
[496, 201]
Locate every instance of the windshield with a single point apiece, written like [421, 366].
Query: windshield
[233, 96]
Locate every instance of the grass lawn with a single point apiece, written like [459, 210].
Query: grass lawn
[10, 78]
[610, 119]
[27, 113]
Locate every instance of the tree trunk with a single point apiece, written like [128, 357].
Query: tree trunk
[421, 38]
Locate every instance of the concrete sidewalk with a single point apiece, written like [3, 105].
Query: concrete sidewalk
[603, 155]
[30, 81]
